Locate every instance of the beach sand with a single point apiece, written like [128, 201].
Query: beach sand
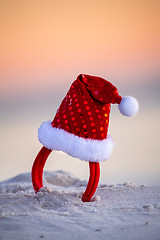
[118, 211]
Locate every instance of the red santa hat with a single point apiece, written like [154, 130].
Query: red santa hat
[80, 125]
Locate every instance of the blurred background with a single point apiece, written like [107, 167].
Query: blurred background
[45, 45]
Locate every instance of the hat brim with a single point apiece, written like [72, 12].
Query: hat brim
[89, 150]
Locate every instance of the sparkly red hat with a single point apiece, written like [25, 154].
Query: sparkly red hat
[81, 123]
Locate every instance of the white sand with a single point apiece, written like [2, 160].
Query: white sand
[122, 211]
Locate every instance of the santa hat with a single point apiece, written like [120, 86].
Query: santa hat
[80, 125]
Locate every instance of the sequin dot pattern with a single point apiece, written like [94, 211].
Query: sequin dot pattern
[82, 115]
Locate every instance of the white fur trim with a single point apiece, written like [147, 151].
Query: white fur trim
[85, 149]
[128, 106]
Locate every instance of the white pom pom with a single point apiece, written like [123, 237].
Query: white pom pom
[128, 106]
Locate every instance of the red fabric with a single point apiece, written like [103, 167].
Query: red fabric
[37, 174]
[85, 109]
[93, 182]
[37, 169]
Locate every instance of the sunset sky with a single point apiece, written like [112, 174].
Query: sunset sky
[48, 43]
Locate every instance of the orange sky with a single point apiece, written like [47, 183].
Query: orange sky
[44, 42]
